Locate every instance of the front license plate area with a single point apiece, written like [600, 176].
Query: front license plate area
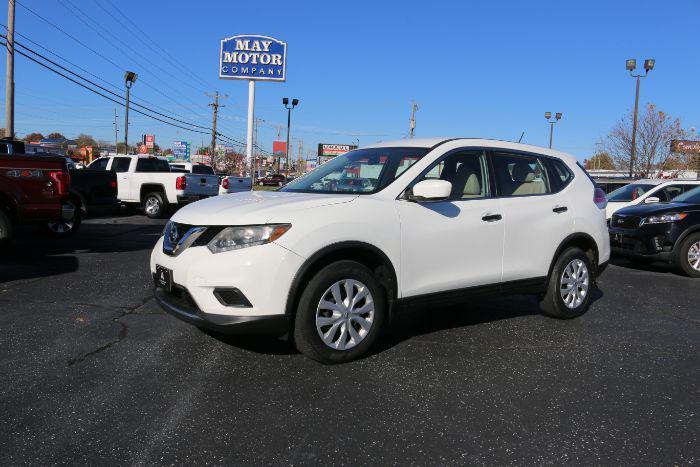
[164, 278]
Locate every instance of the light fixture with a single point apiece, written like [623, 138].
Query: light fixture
[631, 64]
[548, 115]
[558, 116]
[130, 77]
[649, 64]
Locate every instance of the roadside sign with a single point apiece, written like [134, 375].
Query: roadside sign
[150, 141]
[332, 150]
[685, 146]
[181, 150]
[279, 148]
[253, 57]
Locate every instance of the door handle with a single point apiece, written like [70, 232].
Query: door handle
[491, 217]
[560, 209]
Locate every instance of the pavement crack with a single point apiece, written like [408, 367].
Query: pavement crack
[120, 336]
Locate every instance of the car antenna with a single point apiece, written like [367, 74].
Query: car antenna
[521, 136]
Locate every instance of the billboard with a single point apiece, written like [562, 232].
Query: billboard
[253, 57]
[331, 150]
[279, 148]
[181, 150]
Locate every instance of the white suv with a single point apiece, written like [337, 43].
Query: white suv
[333, 255]
[648, 191]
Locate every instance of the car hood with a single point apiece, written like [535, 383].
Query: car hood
[644, 210]
[253, 207]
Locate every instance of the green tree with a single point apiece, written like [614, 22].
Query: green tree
[601, 160]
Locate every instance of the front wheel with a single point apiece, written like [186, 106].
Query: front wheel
[66, 227]
[688, 255]
[154, 206]
[570, 285]
[340, 313]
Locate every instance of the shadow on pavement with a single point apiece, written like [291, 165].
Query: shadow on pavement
[413, 323]
[642, 264]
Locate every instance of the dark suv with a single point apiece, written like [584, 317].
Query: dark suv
[667, 232]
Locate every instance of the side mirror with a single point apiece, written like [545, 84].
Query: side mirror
[431, 190]
[652, 199]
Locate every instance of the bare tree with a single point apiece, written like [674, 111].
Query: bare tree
[655, 130]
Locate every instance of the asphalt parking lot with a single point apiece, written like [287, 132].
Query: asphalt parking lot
[94, 372]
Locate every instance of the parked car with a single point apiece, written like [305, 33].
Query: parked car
[272, 180]
[668, 232]
[33, 189]
[147, 181]
[232, 184]
[647, 191]
[92, 192]
[445, 221]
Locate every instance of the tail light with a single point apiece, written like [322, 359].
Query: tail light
[61, 181]
[113, 184]
[224, 183]
[599, 198]
[181, 183]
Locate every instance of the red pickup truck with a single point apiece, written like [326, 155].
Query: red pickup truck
[32, 188]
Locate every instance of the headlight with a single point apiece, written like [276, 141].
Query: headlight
[235, 238]
[664, 218]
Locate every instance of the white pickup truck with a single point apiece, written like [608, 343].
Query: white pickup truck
[148, 181]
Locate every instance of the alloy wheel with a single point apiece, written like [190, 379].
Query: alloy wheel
[694, 256]
[574, 282]
[345, 314]
[152, 206]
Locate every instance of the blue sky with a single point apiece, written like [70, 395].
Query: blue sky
[486, 69]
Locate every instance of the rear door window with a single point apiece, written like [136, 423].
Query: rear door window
[152, 164]
[202, 170]
[99, 164]
[121, 164]
[520, 174]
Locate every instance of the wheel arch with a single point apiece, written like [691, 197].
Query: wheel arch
[362, 252]
[147, 188]
[9, 207]
[581, 240]
[688, 232]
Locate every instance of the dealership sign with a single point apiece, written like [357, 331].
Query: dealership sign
[685, 146]
[181, 150]
[253, 57]
[332, 150]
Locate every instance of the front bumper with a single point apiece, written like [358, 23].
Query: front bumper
[652, 242]
[182, 307]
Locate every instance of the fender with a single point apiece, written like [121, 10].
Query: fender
[295, 288]
[578, 236]
[689, 231]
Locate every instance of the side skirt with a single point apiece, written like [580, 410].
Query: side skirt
[534, 286]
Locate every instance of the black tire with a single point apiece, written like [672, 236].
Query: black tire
[307, 338]
[5, 229]
[63, 228]
[552, 304]
[154, 205]
[681, 259]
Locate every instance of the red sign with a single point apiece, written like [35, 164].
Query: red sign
[279, 148]
[150, 141]
[143, 149]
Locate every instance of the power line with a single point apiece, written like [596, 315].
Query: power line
[119, 96]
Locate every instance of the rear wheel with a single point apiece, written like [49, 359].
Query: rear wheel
[568, 293]
[688, 255]
[153, 205]
[5, 229]
[66, 227]
[340, 313]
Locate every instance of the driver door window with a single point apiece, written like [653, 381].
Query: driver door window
[466, 171]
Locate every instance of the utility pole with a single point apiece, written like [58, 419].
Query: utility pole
[10, 73]
[215, 106]
[129, 80]
[116, 133]
[412, 125]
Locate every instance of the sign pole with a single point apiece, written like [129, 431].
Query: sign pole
[251, 120]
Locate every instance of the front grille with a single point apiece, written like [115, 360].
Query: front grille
[623, 242]
[625, 222]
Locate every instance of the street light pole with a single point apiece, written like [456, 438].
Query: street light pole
[285, 102]
[10, 72]
[631, 65]
[557, 117]
[129, 80]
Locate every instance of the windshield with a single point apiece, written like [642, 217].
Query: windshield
[689, 197]
[629, 192]
[362, 171]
